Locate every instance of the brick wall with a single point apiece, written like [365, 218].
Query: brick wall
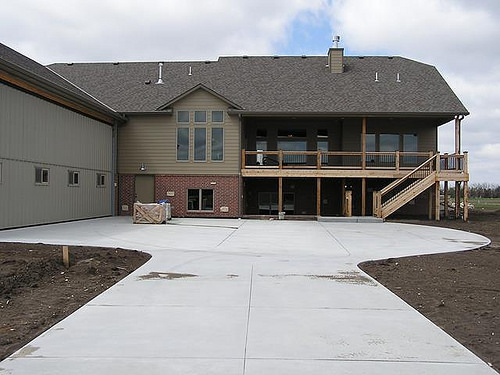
[226, 193]
[126, 189]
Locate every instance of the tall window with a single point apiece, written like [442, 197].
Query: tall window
[217, 144]
[101, 180]
[200, 200]
[200, 144]
[410, 144]
[182, 144]
[41, 176]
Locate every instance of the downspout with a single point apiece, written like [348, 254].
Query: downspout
[240, 178]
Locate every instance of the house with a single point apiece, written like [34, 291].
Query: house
[56, 147]
[253, 136]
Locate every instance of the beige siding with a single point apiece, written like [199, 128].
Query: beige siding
[152, 140]
[36, 133]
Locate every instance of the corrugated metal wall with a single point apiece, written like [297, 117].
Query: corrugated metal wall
[37, 133]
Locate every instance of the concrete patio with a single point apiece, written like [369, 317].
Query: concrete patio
[248, 297]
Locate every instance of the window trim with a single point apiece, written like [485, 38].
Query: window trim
[42, 182]
[211, 144]
[100, 180]
[212, 117]
[200, 122]
[183, 122]
[200, 200]
[188, 144]
[71, 178]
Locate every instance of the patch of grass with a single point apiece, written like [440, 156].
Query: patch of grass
[486, 204]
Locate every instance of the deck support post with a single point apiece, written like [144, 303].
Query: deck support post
[363, 144]
[343, 196]
[457, 199]
[363, 196]
[318, 196]
[280, 194]
[466, 201]
[431, 202]
[438, 201]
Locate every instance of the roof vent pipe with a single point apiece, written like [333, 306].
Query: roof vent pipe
[398, 78]
[190, 71]
[336, 40]
[160, 81]
[376, 76]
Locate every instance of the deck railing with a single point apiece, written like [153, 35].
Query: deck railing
[339, 160]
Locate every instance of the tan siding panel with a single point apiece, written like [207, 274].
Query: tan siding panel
[152, 140]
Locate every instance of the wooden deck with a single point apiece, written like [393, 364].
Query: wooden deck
[338, 164]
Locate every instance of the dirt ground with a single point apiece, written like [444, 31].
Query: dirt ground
[37, 291]
[459, 292]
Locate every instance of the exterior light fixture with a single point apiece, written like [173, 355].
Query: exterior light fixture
[142, 168]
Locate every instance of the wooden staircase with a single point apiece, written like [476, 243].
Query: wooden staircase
[401, 191]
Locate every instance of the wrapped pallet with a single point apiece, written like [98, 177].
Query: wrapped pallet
[150, 213]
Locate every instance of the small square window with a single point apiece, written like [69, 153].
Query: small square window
[101, 180]
[41, 176]
[200, 116]
[217, 116]
[73, 178]
[183, 116]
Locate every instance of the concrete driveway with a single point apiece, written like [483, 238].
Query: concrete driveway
[248, 297]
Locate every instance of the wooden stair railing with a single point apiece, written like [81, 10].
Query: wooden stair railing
[401, 191]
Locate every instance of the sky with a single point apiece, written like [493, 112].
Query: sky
[459, 37]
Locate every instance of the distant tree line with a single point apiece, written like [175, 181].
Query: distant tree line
[483, 190]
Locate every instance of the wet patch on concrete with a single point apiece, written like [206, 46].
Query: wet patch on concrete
[350, 277]
[27, 351]
[467, 242]
[165, 276]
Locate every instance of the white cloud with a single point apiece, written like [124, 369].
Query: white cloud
[74, 30]
[459, 37]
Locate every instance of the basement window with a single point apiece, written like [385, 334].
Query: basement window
[41, 176]
[73, 178]
[200, 200]
[101, 180]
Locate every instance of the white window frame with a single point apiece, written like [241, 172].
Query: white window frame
[43, 181]
[200, 122]
[183, 122]
[100, 180]
[71, 178]
[217, 122]
[188, 145]
[211, 144]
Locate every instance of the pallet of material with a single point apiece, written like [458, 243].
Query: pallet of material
[149, 213]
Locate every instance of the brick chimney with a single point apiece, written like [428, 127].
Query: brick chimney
[336, 57]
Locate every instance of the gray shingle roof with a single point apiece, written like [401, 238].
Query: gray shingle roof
[275, 85]
[40, 75]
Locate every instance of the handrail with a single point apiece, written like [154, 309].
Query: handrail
[398, 182]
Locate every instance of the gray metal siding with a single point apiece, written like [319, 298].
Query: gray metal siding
[34, 132]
